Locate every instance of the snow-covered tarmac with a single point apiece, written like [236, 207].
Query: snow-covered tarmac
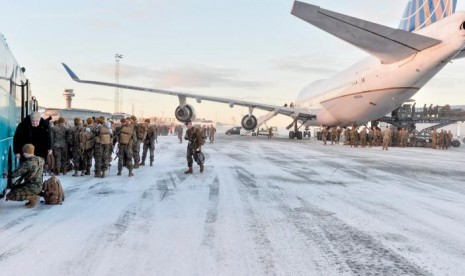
[261, 207]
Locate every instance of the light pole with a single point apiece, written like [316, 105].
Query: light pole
[118, 96]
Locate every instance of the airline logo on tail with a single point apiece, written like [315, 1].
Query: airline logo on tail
[421, 13]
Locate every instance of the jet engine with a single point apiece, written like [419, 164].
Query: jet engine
[185, 113]
[249, 122]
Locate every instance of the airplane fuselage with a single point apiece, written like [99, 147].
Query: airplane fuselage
[369, 89]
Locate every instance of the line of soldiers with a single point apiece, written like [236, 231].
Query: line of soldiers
[206, 131]
[374, 136]
[371, 137]
[97, 140]
[442, 139]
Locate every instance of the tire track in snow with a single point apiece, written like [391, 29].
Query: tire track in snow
[256, 226]
[212, 213]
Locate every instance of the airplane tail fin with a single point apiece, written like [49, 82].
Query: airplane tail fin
[421, 13]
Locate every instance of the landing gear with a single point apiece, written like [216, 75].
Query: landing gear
[296, 133]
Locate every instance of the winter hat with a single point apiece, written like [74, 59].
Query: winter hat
[77, 121]
[28, 148]
[61, 120]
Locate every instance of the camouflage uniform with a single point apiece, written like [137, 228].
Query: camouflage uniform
[60, 147]
[387, 134]
[125, 147]
[31, 169]
[434, 139]
[180, 130]
[193, 135]
[102, 149]
[324, 135]
[73, 142]
[149, 143]
[363, 137]
[87, 148]
[212, 134]
[136, 144]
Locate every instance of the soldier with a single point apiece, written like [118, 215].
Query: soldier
[29, 185]
[387, 134]
[449, 139]
[180, 131]
[324, 135]
[413, 110]
[353, 137]
[141, 132]
[126, 136]
[434, 138]
[212, 133]
[333, 135]
[204, 131]
[404, 137]
[442, 139]
[60, 146]
[425, 111]
[370, 136]
[86, 145]
[73, 142]
[430, 110]
[102, 148]
[363, 137]
[338, 135]
[346, 136]
[194, 136]
[149, 143]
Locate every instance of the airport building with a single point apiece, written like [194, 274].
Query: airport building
[70, 113]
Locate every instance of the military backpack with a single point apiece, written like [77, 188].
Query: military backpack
[53, 191]
[142, 131]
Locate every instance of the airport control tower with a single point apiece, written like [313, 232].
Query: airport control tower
[68, 94]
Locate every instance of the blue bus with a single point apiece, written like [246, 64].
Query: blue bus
[16, 102]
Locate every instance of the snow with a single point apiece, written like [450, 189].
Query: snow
[261, 207]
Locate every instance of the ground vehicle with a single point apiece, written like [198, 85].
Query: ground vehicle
[265, 132]
[16, 103]
[234, 131]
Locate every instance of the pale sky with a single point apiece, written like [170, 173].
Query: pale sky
[246, 49]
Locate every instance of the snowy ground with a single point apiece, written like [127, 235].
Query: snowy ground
[261, 207]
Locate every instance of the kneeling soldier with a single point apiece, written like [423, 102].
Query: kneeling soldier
[29, 185]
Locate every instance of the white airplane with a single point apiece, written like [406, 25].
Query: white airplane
[401, 61]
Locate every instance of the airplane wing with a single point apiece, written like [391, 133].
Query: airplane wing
[300, 114]
[387, 44]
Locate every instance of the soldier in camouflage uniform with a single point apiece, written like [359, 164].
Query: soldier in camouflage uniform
[126, 136]
[387, 135]
[30, 172]
[149, 143]
[73, 142]
[86, 145]
[180, 130]
[194, 136]
[60, 146]
[102, 149]
[136, 142]
[211, 134]
[434, 138]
